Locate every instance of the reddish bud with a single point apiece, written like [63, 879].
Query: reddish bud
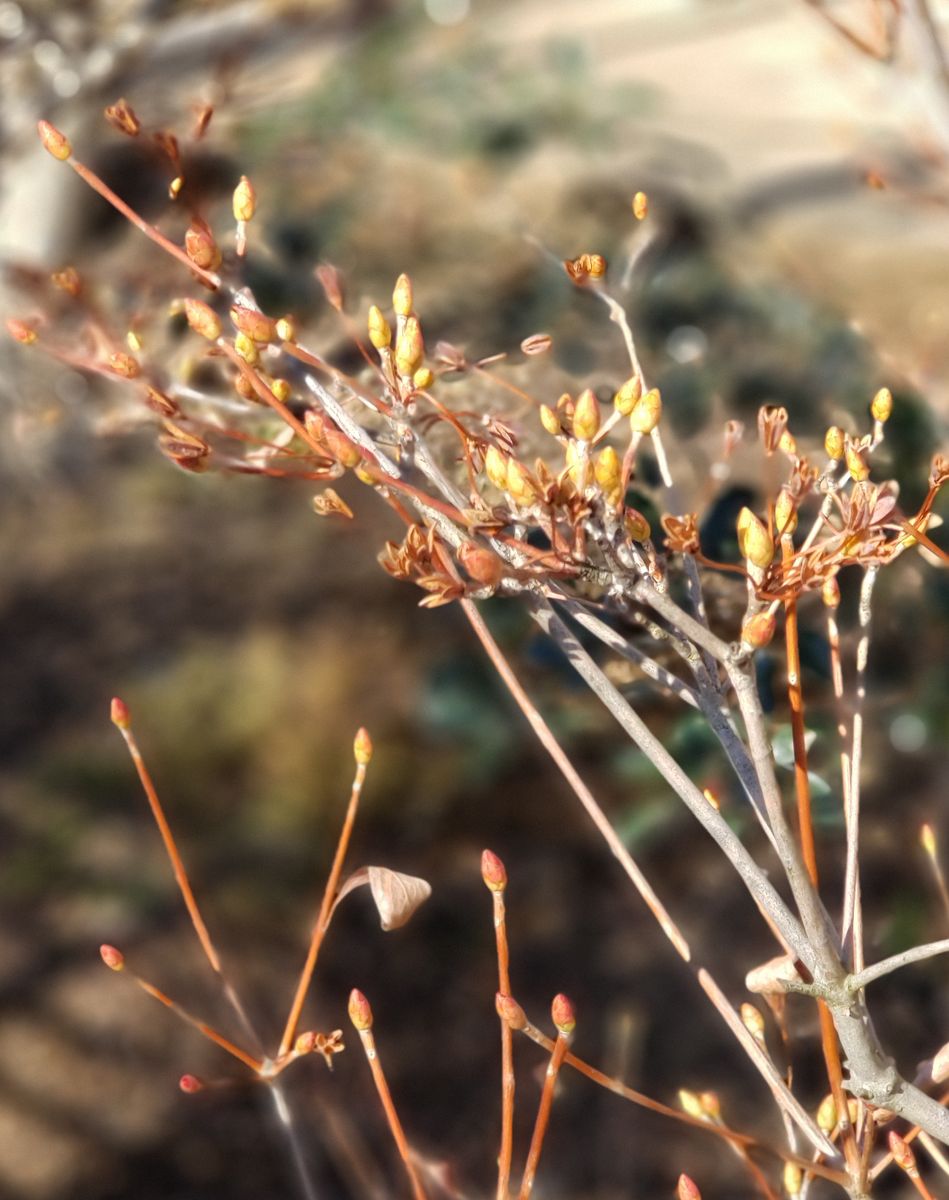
[482, 565]
[190, 1084]
[21, 332]
[305, 1043]
[113, 959]
[253, 323]
[510, 1011]
[362, 748]
[201, 247]
[686, 1189]
[125, 365]
[493, 872]
[563, 1015]
[55, 142]
[359, 1011]
[759, 631]
[120, 714]
[203, 319]
[903, 1156]
[332, 284]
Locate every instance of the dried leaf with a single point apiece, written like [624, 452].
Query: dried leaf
[396, 896]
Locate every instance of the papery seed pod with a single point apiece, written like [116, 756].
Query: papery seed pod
[67, 280]
[113, 959]
[646, 412]
[537, 343]
[691, 1104]
[329, 504]
[244, 200]
[186, 450]
[246, 347]
[158, 402]
[55, 142]
[711, 798]
[125, 365]
[282, 390]
[585, 267]
[253, 323]
[402, 297]
[753, 1021]
[640, 206]
[881, 406]
[495, 467]
[510, 1011]
[422, 379]
[856, 464]
[21, 331]
[686, 1189]
[793, 1179]
[482, 564]
[409, 348]
[827, 1114]
[830, 592]
[359, 1011]
[754, 539]
[903, 1155]
[332, 284]
[203, 319]
[625, 399]
[519, 484]
[759, 630]
[550, 420]
[608, 470]
[122, 117]
[493, 871]
[119, 714]
[595, 265]
[785, 513]
[286, 329]
[190, 1084]
[637, 527]
[586, 416]
[305, 1043]
[380, 332]
[834, 442]
[563, 1015]
[362, 747]
[201, 247]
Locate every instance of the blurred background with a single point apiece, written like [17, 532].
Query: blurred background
[796, 162]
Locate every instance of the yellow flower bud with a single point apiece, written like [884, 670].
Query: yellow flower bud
[380, 334]
[637, 527]
[550, 420]
[785, 513]
[640, 206]
[495, 467]
[830, 592]
[519, 484]
[793, 1179]
[244, 200]
[834, 443]
[286, 329]
[882, 405]
[754, 539]
[856, 464]
[646, 412]
[55, 142]
[607, 471]
[827, 1114]
[409, 348]
[362, 748]
[586, 416]
[282, 390]
[246, 347]
[759, 630]
[625, 399]
[402, 298]
[422, 379]
[203, 319]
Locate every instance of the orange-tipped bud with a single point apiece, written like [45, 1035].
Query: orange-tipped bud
[282, 390]
[113, 959]
[753, 1021]
[785, 513]
[640, 206]
[121, 717]
[409, 348]
[510, 1011]
[305, 1043]
[646, 412]
[537, 343]
[244, 201]
[759, 631]
[827, 1114]
[359, 1011]
[55, 142]
[190, 1084]
[586, 416]
[253, 323]
[495, 467]
[754, 539]
[903, 1155]
[626, 398]
[482, 564]
[881, 407]
[550, 420]
[834, 442]
[686, 1189]
[856, 464]
[246, 347]
[201, 247]
[380, 332]
[927, 839]
[563, 1015]
[830, 592]
[493, 872]
[519, 484]
[203, 319]
[793, 1179]
[362, 747]
[286, 329]
[422, 379]
[21, 332]
[637, 527]
[402, 297]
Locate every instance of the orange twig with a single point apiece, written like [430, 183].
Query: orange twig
[546, 1101]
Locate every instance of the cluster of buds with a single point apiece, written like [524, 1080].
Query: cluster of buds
[402, 356]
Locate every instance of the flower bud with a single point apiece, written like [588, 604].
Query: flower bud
[563, 1015]
[190, 1084]
[203, 319]
[244, 201]
[787, 443]
[856, 464]
[686, 1189]
[359, 1011]
[342, 449]
[927, 839]
[286, 329]
[793, 1179]
[637, 527]
[495, 467]
[586, 416]
[409, 348]
[282, 390]
[422, 379]
[21, 332]
[380, 333]
[402, 298]
[482, 564]
[827, 1114]
[646, 412]
[608, 469]
[493, 872]
[55, 142]
[785, 513]
[550, 420]
[712, 799]
[113, 959]
[253, 323]
[120, 715]
[882, 405]
[754, 539]
[519, 484]
[640, 206]
[753, 1021]
[331, 281]
[305, 1043]
[711, 1105]
[201, 247]
[362, 747]
[246, 347]
[830, 592]
[125, 365]
[510, 1011]
[834, 441]
[691, 1104]
[625, 399]
[903, 1155]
